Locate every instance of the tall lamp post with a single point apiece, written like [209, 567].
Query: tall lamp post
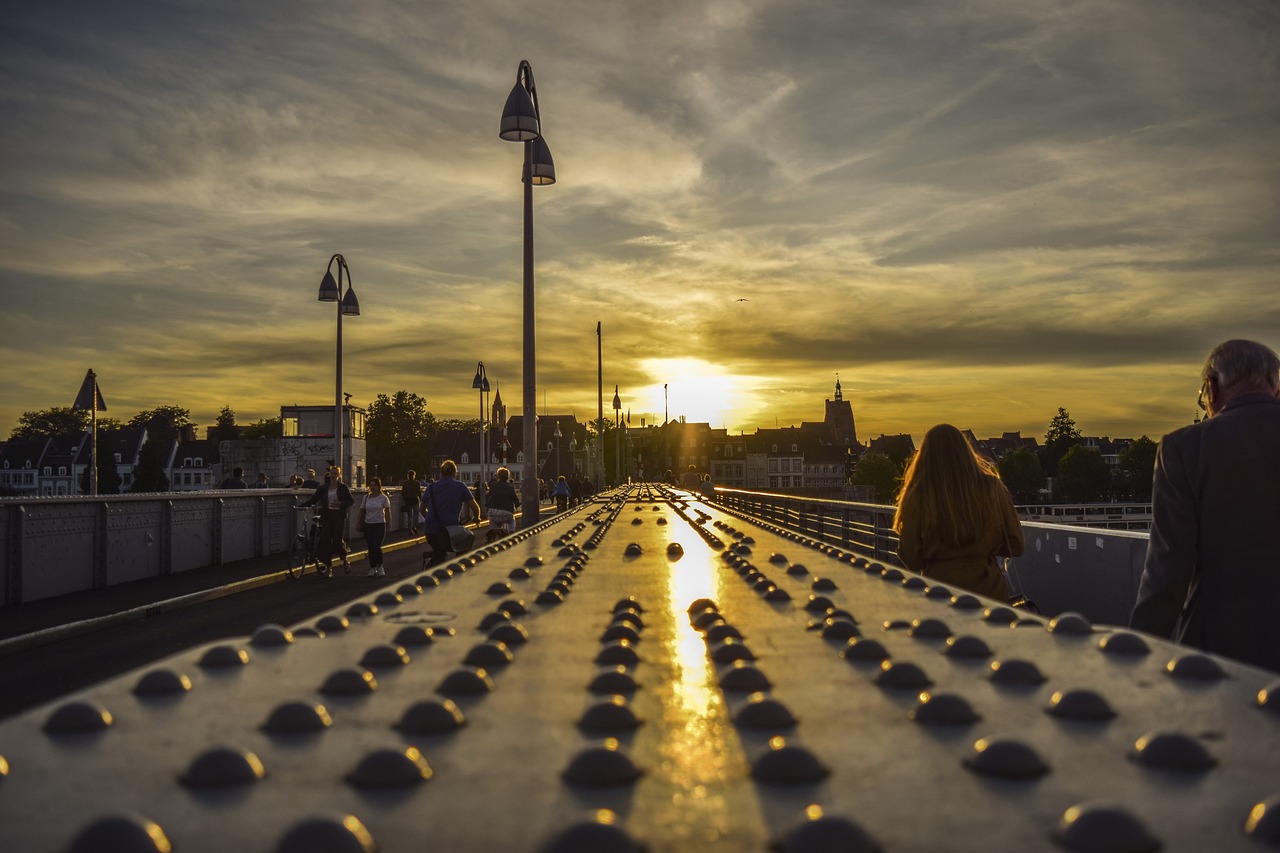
[617, 445]
[481, 384]
[558, 435]
[331, 291]
[521, 122]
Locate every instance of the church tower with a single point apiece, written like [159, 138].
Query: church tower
[839, 420]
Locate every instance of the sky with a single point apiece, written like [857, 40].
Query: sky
[967, 212]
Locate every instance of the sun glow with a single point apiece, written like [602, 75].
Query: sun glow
[697, 390]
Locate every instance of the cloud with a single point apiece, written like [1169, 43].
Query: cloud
[980, 210]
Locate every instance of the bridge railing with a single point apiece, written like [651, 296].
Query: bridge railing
[1064, 568]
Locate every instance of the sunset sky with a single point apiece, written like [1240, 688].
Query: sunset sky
[971, 212]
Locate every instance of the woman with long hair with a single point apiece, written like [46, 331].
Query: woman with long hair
[955, 517]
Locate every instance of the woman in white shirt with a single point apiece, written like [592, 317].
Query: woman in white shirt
[376, 515]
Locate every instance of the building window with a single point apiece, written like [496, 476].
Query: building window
[774, 448]
[48, 471]
[199, 461]
[795, 448]
[117, 456]
[62, 470]
[465, 460]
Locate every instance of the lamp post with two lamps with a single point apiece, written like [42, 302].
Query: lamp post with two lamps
[521, 122]
[348, 305]
[481, 384]
[617, 443]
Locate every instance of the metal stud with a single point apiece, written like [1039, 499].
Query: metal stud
[271, 635]
[391, 768]
[1005, 758]
[162, 682]
[510, 634]
[901, 674]
[863, 650]
[388, 599]
[1124, 643]
[343, 833]
[967, 646]
[414, 635]
[1070, 624]
[431, 717]
[787, 764]
[818, 831]
[929, 629]
[224, 766]
[385, 655]
[1263, 823]
[127, 833]
[609, 714]
[619, 652]
[78, 717]
[466, 681]
[362, 610]
[1094, 825]
[349, 682]
[297, 718]
[743, 677]
[947, 709]
[223, 657]
[332, 624]
[604, 765]
[1172, 751]
[1080, 705]
[1015, 672]
[1197, 667]
[599, 832]
[615, 679]
[762, 712]
[488, 655]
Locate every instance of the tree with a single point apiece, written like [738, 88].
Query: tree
[876, 469]
[56, 421]
[398, 432]
[1138, 461]
[224, 428]
[174, 416]
[1022, 475]
[162, 425]
[1061, 436]
[265, 428]
[1082, 475]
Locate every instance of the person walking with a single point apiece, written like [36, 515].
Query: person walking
[503, 501]
[1211, 577]
[561, 493]
[442, 504]
[333, 498]
[411, 494]
[375, 515]
[235, 481]
[955, 517]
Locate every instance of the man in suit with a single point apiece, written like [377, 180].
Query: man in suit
[1212, 572]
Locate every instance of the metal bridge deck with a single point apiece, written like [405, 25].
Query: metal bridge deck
[579, 686]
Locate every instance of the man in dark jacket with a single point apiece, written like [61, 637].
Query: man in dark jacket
[1212, 573]
[333, 498]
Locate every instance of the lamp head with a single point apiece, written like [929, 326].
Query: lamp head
[544, 168]
[519, 115]
[329, 288]
[350, 305]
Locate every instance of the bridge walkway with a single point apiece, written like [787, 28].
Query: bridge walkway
[664, 673]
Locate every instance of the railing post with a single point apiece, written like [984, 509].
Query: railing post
[166, 538]
[101, 520]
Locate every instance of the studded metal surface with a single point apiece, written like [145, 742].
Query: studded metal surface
[586, 685]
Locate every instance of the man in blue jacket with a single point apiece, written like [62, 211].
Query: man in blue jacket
[1212, 572]
[442, 505]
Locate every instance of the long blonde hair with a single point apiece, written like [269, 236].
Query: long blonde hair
[950, 487]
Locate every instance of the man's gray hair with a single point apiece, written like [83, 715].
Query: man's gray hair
[1240, 362]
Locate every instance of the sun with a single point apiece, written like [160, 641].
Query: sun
[697, 390]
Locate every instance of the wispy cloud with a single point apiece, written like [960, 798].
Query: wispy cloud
[972, 212]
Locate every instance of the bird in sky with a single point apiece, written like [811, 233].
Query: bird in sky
[741, 300]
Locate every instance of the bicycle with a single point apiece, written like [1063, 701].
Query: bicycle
[501, 523]
[304, 549]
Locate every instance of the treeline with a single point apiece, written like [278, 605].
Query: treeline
[1079, 473]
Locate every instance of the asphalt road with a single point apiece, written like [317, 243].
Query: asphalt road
[42, 674]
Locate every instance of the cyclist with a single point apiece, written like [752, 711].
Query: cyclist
[502, 505]
[442, 504]
[333, 498]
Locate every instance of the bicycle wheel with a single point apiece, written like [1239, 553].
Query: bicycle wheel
[323, 569]
[297, 558]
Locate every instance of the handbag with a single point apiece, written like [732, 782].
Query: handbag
[1018, 601]
[460, 538]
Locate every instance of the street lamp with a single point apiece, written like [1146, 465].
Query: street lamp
[521, 122]
[557, 435]
[617, 445]
[331, 291]
[481, 384]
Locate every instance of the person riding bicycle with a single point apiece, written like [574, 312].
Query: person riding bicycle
[332, 498]
[561, 494]
[502, 504]
[442, 505]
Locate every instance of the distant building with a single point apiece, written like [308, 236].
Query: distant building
[306, 441]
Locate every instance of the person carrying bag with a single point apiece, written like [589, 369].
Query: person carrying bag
[443, 503]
